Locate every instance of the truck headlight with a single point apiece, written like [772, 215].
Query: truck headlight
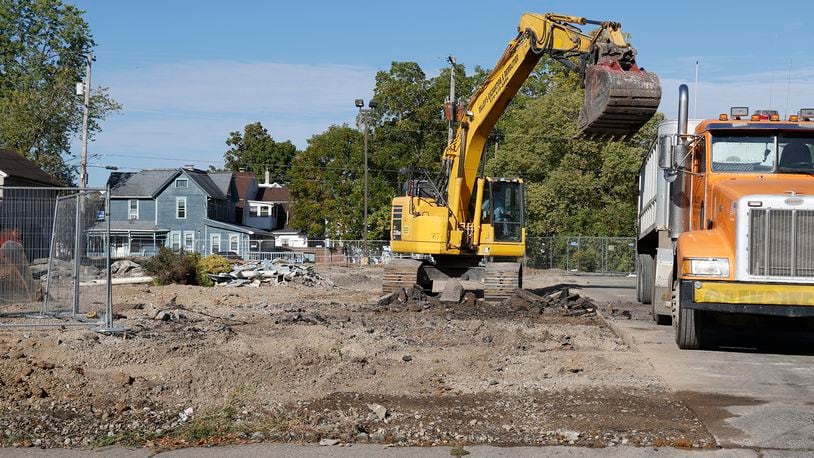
[706, 267]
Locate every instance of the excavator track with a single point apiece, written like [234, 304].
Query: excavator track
[400, 273]
[617, 102]
[497, 280]
[500, 279]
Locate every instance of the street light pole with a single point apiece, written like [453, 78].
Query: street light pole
[364, 114]
[366, 195]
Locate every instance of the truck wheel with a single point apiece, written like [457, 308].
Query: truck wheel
[646, 278]
[687, 323]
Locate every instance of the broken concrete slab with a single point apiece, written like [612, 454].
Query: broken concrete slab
[452, 291]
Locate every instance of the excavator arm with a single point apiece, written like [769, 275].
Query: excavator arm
[619, 97]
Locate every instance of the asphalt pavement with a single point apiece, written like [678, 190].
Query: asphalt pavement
[754, 387]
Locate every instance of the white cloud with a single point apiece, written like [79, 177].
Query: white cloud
[224, 86]
[183, 112]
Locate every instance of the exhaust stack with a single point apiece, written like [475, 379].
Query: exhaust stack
[679, 202]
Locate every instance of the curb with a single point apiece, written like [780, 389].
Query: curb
[618, 331]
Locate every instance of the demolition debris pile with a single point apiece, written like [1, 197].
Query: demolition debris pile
[270, 273]
[554, 300]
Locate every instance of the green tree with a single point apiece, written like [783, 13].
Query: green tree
[327, 186]
[574, 186]
[256, 150]
[408, 123]
[42, 48]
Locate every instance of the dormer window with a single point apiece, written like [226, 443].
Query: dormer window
[182, 183]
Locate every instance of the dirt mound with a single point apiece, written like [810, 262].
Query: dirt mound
[297, 363]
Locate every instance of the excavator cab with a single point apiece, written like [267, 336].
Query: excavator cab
[503, 209]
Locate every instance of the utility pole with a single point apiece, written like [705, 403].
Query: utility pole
[451, 133]
[83, 176]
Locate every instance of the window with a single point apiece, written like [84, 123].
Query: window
[132, 212]
[506, 201]
[182, 183]
[747, 153]
[175, 241]
[189, 240]
[701, 156]
[234, 243]
[260, 210]
[214, 243]
[181, 207]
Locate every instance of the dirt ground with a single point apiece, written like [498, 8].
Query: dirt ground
[303, 364]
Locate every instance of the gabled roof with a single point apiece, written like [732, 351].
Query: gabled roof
[205, 182]
[146, 183]
[243, 181]
[273, 194]
[149, 183]
[14, 164]
[222, 180]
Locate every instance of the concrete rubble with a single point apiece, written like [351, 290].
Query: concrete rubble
[125, 268]
[556, 299]
[263, 273]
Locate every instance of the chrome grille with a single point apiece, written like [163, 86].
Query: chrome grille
[781, 243]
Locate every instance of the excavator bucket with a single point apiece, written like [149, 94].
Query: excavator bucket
[617, 102]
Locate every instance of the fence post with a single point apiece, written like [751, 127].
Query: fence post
[76, 258]
[48, 273]
[109, 310]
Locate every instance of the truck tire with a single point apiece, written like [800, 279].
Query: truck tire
[687, 323]
[646, 278]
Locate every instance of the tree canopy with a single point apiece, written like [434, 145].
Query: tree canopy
[43, 44]
[255, 150]
[328, 188]
[574, 186]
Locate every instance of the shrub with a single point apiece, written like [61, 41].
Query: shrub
[586, 260]
[169, 266]
[212, 264]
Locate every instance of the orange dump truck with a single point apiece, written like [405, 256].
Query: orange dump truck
[726, 219]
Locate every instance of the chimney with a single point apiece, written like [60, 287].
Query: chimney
[267, 178]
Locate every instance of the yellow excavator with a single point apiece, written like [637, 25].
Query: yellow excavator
[466, 231]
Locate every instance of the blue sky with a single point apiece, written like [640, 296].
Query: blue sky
[189, 72]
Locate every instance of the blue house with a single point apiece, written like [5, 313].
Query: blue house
[184, 208]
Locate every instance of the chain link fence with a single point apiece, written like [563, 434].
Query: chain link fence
[54, 261]
[609, 255]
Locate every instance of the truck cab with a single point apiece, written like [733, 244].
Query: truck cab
[735, 197]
